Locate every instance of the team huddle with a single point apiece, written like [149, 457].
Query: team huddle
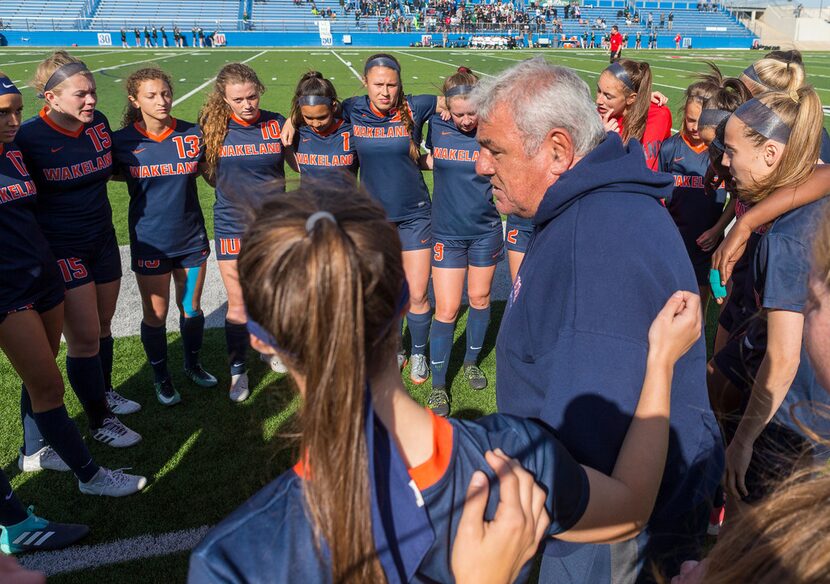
[320, 281]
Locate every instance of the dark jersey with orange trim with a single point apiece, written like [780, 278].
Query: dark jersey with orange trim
[462, 200]
[165, 219]
[382, 144]
[692, 208]
[326, 156]
[251, 165]
[71, 170]
[24, 252]
[269, 539]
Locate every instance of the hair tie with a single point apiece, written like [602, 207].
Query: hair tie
[63, 73]
[318, 216]
[793, 93]
[463, 69]
[314, 100]
[458, 90]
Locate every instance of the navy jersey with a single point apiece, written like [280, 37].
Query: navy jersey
[270, 539]
[326, 156]
[251, 165]
[71, 170]
[693, 210]
[165, 218]
[824, 154]
[382, 144]
[24, 252]
[462, 200]
[781, 272]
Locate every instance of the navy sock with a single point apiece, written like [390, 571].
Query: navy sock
[62, 434]
[105, 351]
[236, 337]
[154, 339]
[440, 346]
[193, 331]
[478, 320]
[87, 380]
[11, 509]
[32, 438]
[419, 331]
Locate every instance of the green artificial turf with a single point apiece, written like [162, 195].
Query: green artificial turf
[208, 455]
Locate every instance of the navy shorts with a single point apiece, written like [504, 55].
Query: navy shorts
[483, 252]
[517, 237]
[227, 248]
[739, 363]
[415, 233]
[96, 261]
[156, 267]
[45, 293]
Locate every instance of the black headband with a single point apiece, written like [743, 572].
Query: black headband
[63, 73]
[712, 117]
[752, 74]
[381, 62]
[458, 90]
[620, 73]
[756, 115]
[314, 100]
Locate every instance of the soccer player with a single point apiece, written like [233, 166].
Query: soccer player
[325, 287]
[67, 148]
[467, 237]
[159, 158]
[625, 104]
[323, 144]
[245, 159]
[698, 212]
[31, 319]
[616, 43]
[769, 439]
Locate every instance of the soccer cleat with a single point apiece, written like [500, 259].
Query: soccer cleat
[116, 434]
[418, 369]
[439, 402]
[166, 393]
[120, 405]
[200, 377]
[35, 534]
[239, 391]
[402, 360]
[112, 483]
[44, 459]
[276, 364]
[475, 377]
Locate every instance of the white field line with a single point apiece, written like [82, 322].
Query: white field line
[193, 92]
[108, 67]
[123, 550]
[446, 63]
[75, 55]
[347, 64]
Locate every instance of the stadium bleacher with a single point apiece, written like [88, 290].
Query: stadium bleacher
[208, 14]
[296, 16]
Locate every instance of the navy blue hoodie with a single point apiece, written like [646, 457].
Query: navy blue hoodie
[604, 258]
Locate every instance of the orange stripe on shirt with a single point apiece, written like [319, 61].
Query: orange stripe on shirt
[430, 472]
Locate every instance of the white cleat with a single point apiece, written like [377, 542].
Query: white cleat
[44, 459]
[239, 391]
[116, 434]
[112, 483]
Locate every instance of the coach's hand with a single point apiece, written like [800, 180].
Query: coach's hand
[493, 552]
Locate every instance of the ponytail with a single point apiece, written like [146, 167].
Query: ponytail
[328, 294]
[634, 125]
[311, 83]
